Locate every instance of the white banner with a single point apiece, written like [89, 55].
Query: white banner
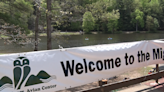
[53, 70]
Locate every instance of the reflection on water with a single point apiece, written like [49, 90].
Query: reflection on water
[80, 40]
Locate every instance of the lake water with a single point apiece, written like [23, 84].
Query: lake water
[80, 40]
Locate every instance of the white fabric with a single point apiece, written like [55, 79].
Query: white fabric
[91, 62]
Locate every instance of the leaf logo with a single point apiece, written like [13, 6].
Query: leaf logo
[21, 76]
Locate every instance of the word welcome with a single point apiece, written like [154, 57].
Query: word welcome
[91, 66]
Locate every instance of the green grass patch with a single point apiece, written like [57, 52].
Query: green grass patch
[3, 36]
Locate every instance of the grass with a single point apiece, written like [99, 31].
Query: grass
[144, 70]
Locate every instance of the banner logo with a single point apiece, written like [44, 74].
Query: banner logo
[21, 76]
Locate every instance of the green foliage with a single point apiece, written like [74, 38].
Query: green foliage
[88, 22]
[69, 14]
[75, 26]
[138, 17]
[151, 23]
[23, 6]
[31, 22]
[125, 8]
[16, 12]
[113, 21]
[112, 25]
[100, 10]
[156, 24]
[14, 35]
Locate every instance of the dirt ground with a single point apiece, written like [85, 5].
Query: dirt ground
[127, 75]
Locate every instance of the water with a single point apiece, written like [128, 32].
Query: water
[80, 40]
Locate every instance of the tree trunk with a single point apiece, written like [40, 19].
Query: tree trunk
[136, 26]
[36, 29]
[49, 44]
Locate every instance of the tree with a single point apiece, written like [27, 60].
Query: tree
[151, 23]
[99, 10]
[161, 17]
[125, 8]
[137, 17]
[59, 12]
[113, 21]
[88, 22]
[15, 14]
[67, 13]
[36, 24]
[12, 34]
[48, 14]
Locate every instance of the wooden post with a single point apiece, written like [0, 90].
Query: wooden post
[157, 70]
[100, 84]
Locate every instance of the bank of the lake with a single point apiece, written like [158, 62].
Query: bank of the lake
[95, 32]
[69, 41]
[56, 33]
